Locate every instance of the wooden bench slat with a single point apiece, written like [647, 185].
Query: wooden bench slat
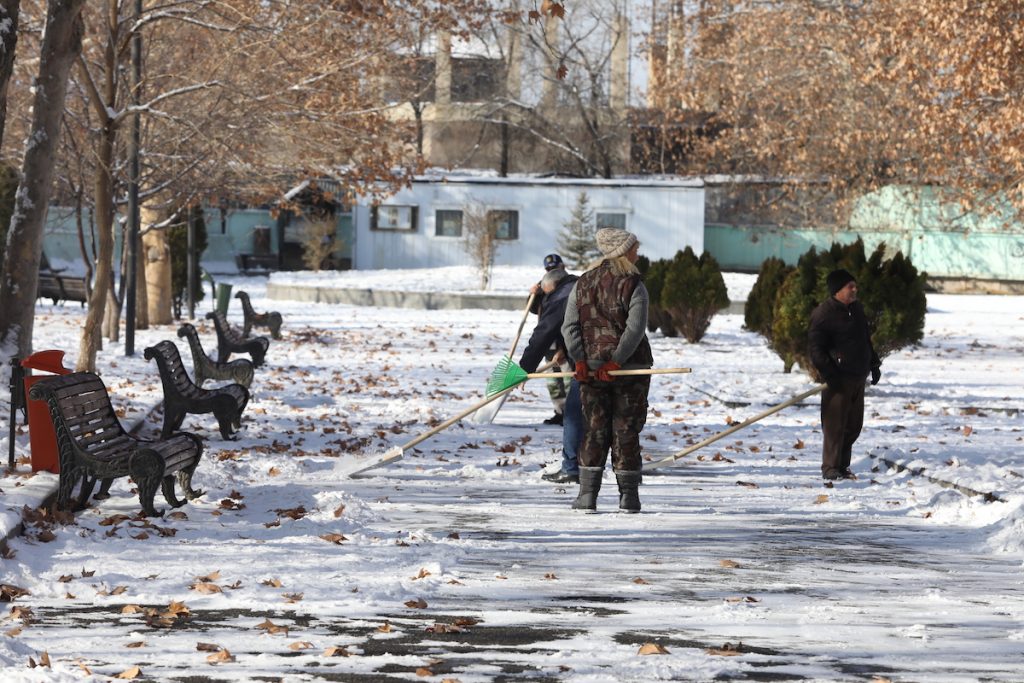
[93, 445]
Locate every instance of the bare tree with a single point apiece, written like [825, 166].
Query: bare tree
[62, 40]
[481, 243]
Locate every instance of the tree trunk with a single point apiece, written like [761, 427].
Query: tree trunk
[62, 42]
[142, 309]
[156, 254]
[90, 341]
[8, 43]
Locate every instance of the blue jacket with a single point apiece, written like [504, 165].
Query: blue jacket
[549, 325]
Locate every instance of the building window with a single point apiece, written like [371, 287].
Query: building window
[448, 223]
[610, 220]
[393, 217]
[506, 223]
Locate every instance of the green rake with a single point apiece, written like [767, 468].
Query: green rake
[508, 374]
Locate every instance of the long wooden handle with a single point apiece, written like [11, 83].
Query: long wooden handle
[735, 428]
[616, 373]
[522, 323]
[452, 420]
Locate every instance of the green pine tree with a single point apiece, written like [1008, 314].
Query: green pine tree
[694, 291]
[177, 237]
[576, 242]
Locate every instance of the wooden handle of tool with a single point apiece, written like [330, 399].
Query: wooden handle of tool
[452, 420]
[736, 427]
[616, 373]
[522, 323]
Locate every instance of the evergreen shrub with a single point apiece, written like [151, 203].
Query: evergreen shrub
[693, 291]
[758, 311]
[891, 292]
[653, 274]
[177, 238]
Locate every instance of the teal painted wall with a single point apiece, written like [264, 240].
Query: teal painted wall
[939, 238]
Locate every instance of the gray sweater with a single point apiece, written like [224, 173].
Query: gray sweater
[636, 328]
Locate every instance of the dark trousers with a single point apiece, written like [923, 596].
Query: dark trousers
[842, 416]
[614, 414]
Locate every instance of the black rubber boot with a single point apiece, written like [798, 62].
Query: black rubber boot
[590, 484]
[629, 497]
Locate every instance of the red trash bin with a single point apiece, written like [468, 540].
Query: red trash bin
[41, 436]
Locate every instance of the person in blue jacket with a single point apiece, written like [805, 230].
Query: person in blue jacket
[556, 285]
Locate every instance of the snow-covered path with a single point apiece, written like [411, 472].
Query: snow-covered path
[459, 563]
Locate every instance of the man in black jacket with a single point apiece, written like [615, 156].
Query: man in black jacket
[840, 348]
[556, 285]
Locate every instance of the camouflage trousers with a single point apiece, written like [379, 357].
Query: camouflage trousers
[558, 388]
[614, 414]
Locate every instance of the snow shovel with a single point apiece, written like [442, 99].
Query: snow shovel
[734, 428]
[487, 414]
[509, 374]
[396, 453]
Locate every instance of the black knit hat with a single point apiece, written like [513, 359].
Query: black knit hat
[838, 279]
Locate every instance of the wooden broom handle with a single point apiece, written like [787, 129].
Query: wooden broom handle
[522, 323]
[616, 373]
[736, 427]
[452, 420]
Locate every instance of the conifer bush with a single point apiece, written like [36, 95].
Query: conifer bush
[654, 280]
[693, 291]
[177, 238]
[891, 292]
[758, 312]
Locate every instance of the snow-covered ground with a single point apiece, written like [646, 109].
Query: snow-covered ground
[458, 563]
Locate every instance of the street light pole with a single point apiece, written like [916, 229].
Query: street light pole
[133, 191]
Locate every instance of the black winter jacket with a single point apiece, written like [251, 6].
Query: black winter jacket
[839, 342]
[549, 325]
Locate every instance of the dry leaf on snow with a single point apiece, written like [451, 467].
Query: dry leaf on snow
[130, 674]
[419, 603]
[652, 649]
[220, 657]
[336, 651]
[729, 564]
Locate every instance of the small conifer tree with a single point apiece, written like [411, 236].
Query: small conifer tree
[693, 292]
[890, 291]
[576, 242]
[758, 310]
[177, 241]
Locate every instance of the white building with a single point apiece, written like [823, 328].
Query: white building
[422, 226]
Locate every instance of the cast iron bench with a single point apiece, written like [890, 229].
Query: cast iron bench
[182, 396]
[92, 445]
[271, 319]
[205, 368]
[230, 341]
[62, 288]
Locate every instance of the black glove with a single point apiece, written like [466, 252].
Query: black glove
[876, 374]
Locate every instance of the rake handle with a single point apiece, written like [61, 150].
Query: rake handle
[615, 373]
[452, 420]
[522, 323]
[735, 428]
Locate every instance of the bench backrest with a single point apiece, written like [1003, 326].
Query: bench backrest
[224, 329]
[188, 331]
[247, 309]
[81, 411]
[172, 371]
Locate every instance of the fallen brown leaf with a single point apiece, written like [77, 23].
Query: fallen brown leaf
[729, 564]
[822, 498]
[207, 647]
[220, 657]
[419, 603]
[130, 674]
[652, 649]
[301, 645]
[337, 652]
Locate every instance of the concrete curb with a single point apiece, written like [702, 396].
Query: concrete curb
[430, 301]
[919, 472]
[48, 496]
